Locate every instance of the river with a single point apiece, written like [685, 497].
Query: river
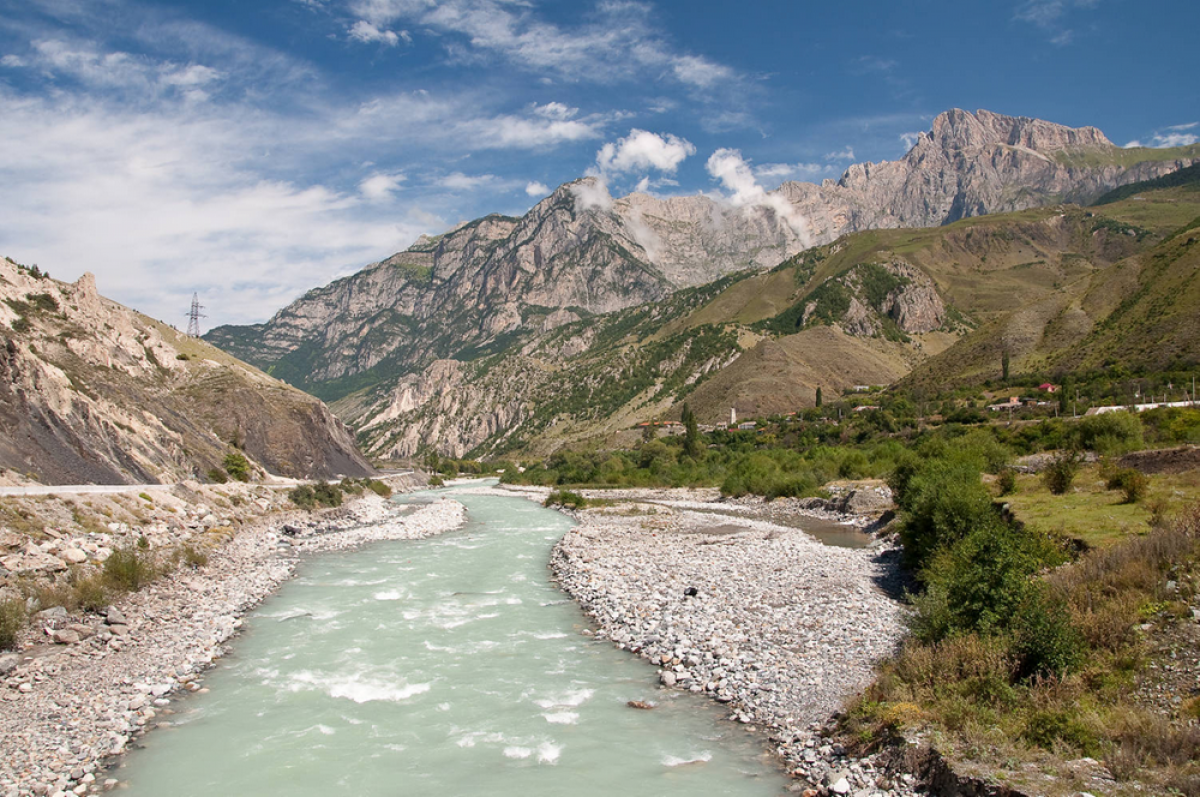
[447, 666]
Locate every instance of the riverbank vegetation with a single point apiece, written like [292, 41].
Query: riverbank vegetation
[1054, 565]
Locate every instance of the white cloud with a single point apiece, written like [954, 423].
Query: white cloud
[846, 154]
[1175, 140]
[379, 187]
[368, 33]
[536, 189]
[163, 204]
[787, 171]
[1051, 16]
[1169, 137]
[457, 181]
[618, 43]
[591, 194]
[12, 61]
[700, 72]
[555, 111]
[642, 150]
[735, 174]
[910, 139]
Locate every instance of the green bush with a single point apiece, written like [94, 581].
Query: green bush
[565, 499]
[12, 620]
[1045, 640]
[1111, 433]
[322, 494]
[379, 488]
[90, 592]
[328, 494]
[217, 476]
[1131, 482]
[128, 569]
[942, 502]
[1044, 728]
[1060, 473]
[1007, 480]
[237, 466]
[303, 497]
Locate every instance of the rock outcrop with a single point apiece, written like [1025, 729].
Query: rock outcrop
[92, 392]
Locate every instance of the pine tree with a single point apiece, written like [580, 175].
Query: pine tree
[819, 401]
[691, 434]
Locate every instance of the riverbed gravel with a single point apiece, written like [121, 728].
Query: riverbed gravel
[758, 616]
[66, 709]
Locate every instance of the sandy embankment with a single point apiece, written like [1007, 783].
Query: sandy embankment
[67, 708]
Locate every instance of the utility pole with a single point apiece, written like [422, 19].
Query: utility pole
[194, 316]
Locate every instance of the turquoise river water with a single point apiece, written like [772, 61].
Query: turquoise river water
[449, 666]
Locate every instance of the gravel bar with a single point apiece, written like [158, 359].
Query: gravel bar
[757, 616]
[67, 709]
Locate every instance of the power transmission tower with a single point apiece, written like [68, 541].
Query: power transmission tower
[194, 316]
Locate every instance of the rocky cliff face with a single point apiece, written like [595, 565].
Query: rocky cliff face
[91, 392]
[498, 282]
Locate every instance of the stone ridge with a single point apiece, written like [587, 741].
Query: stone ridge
[92, 392]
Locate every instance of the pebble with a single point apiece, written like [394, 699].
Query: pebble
[780, 628]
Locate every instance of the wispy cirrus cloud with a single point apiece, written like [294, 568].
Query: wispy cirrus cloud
[617, 42]
[1053, 17]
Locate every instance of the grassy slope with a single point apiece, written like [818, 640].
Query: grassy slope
[1112, 297]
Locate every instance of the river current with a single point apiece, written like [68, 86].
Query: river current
[446, 666]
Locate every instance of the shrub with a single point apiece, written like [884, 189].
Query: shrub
[128, 569]
[327, 494]
[1111, 432]
[1046, 727]
[1131, 482]
[942, 501]
[1060, 473]
[12, 620]
[379, 488]
[1045, 639]
[986, 576]
[217, 476]
[237, 466]
[90, 592]
[1007, 480]
[192, 557]
[436, 481]
[565, 499]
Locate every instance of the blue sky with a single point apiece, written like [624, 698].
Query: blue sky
[249, 151]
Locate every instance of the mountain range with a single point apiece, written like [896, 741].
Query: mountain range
[590, 313]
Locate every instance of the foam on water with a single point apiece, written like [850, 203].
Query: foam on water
[388, 595]
[676, 761]
[358, 688]
[562, 718]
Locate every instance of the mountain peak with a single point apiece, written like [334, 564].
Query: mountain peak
[957, 129]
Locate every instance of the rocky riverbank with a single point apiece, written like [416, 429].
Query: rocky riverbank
[67, 709]
[756, 615]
